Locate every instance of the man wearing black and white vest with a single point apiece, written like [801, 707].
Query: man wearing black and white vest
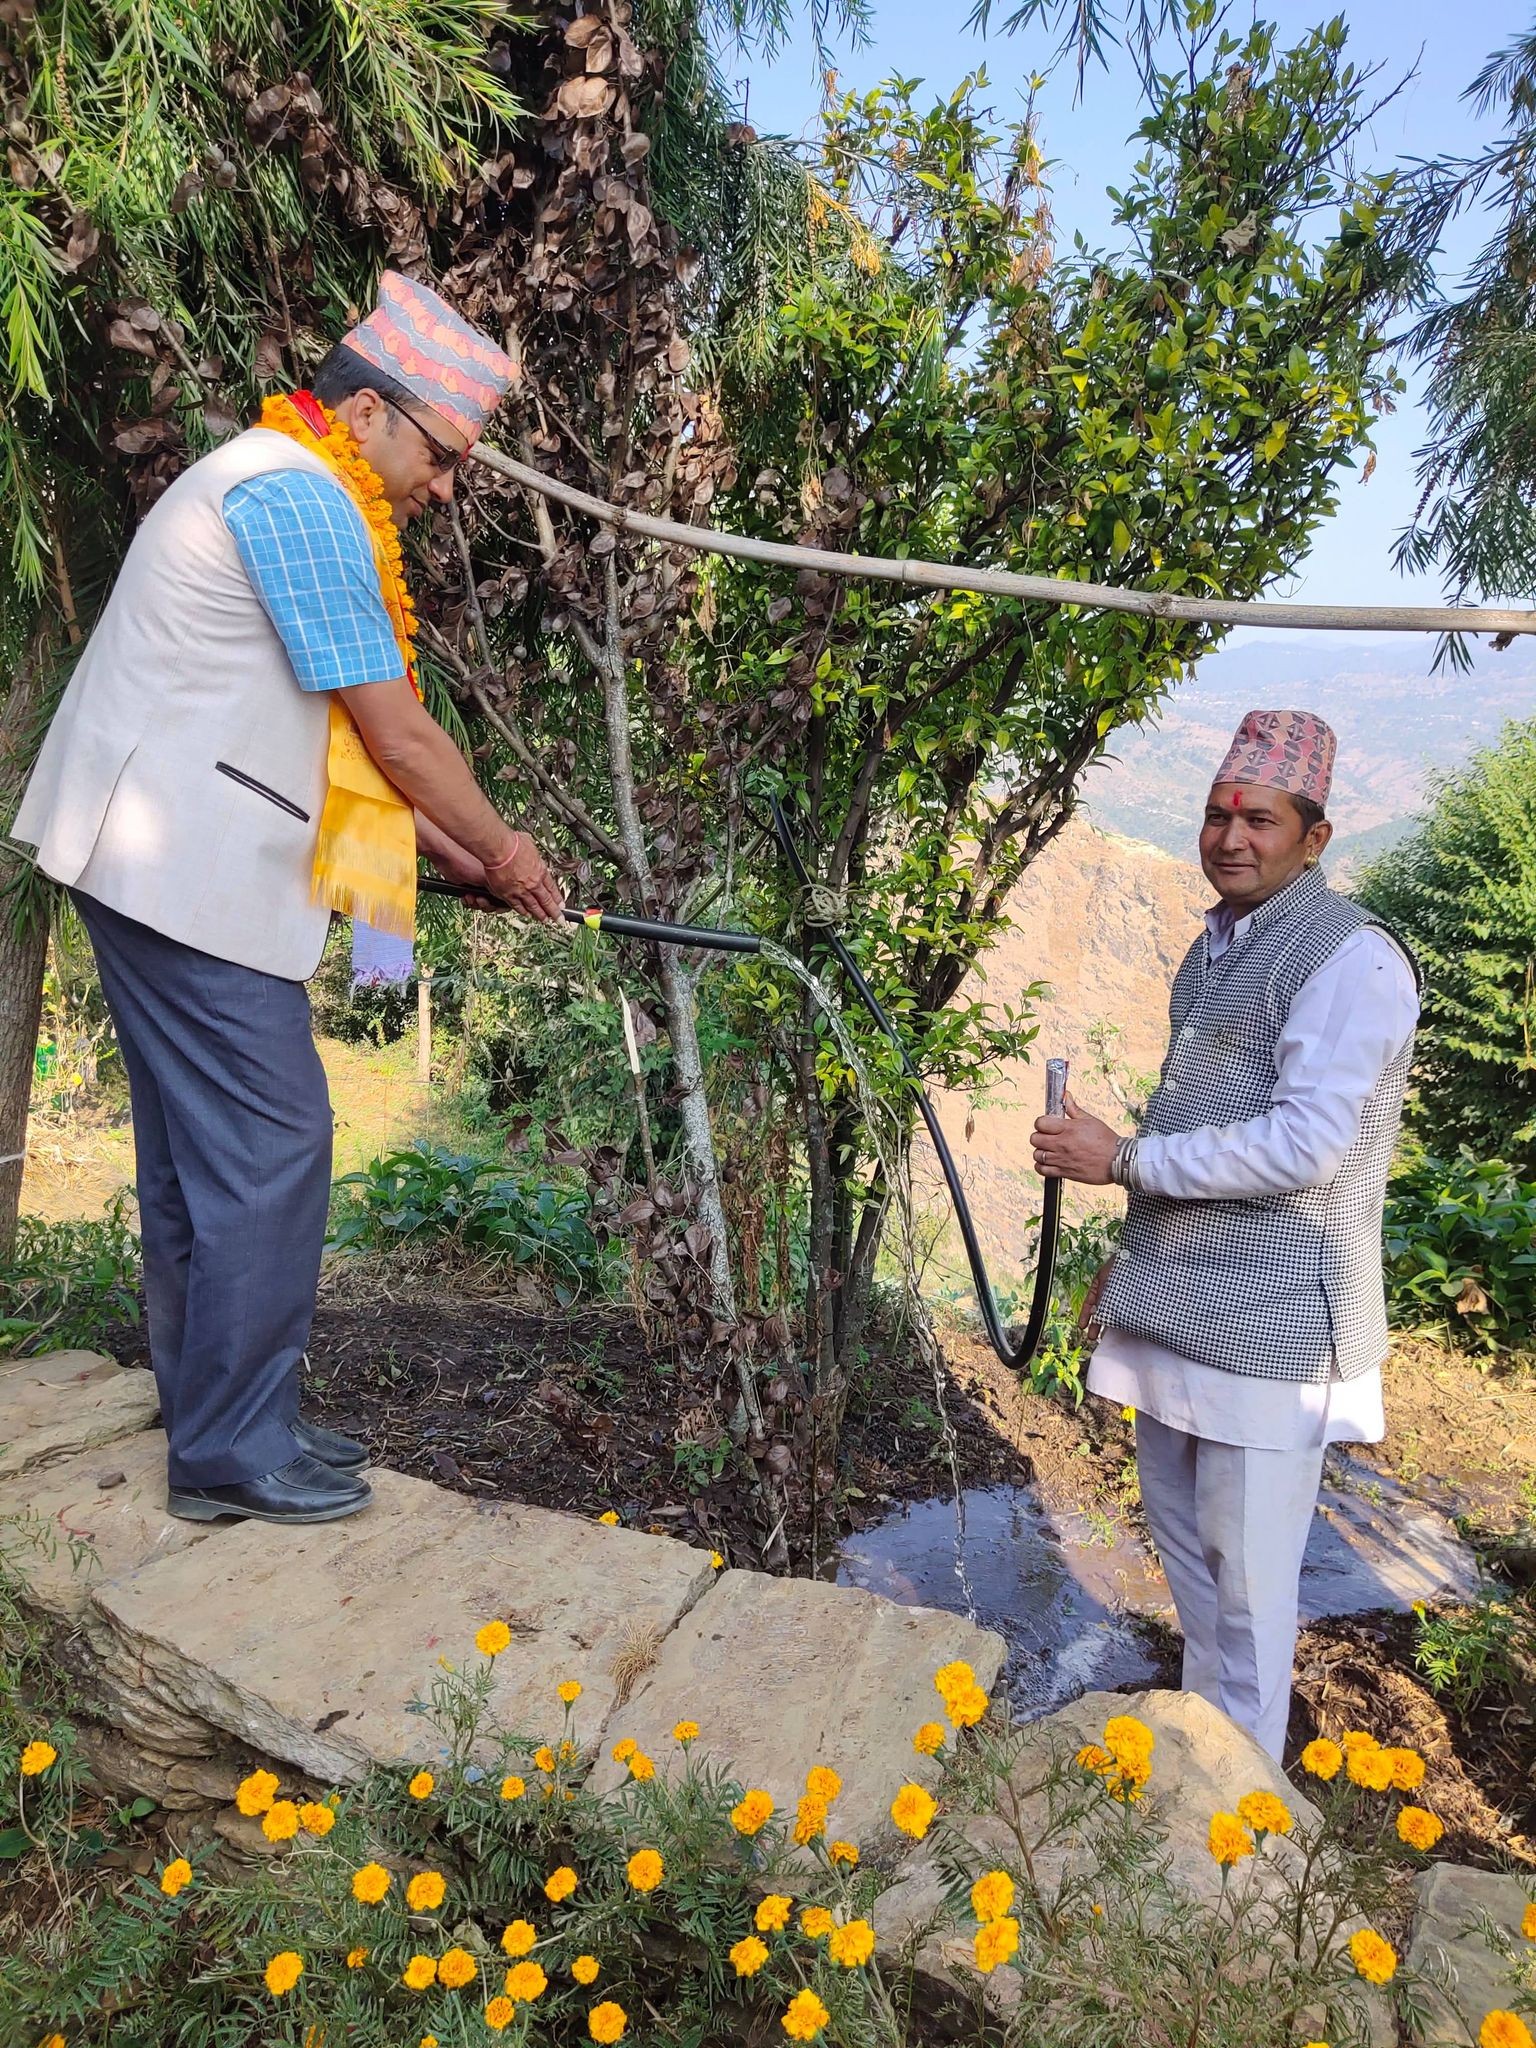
[1243, 1317]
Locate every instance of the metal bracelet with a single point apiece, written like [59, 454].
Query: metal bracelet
[1122, 1168]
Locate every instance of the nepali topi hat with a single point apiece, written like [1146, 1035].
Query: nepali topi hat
[419, 342]
[1289, 750]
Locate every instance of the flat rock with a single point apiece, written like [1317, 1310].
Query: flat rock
[782, 1674]
[69, 1401]
[85, 1535]
[317, 1646]
[1468, 1977]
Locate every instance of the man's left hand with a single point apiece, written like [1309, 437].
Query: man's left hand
[1076, 1146]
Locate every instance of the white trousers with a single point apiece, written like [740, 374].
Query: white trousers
[1230, 1527]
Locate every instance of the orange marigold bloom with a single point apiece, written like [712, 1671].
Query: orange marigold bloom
[609, 1519]
[525, 1982]
[421, 1785]
[843, 1852]
[560, 1884]
[175, 1877]
[995, 1943]
[491, 1640]
[456, 1968]
[1374, 1959]
[810, 1818]
[1322, 1758]
[929, 1739]
[966, 1708]
[253, 1795]
[584, 1969]
[1407, 1769]
[851, 1946]
[513, 1787]
[816, 1923]
[544, 1758]
[822, 1783]
[370, 1883]
[749, 1955]
[1504, 2030]
[1528, 1923]
[518, 1937]
[685, 1732]
[992, 1895]
[569, 1691]
[356, 1957]
[606, 2023]
[752, 1812]
[641, 1768]
[806, 2016]
[40, 1756]
[623, 1751]
[645, 1870]
[500, 2013]
[1371, 1768]
[913, 1810]
[772, 1915]
[283, 1972]
[280, 1822]
[1419, 1828]
[1265, 1814]
[426, 1891]
[316, 1819]
[1229, 1840]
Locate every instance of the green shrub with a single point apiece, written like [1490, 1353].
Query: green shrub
[1458, 1244]
[1062, 1360]
[68, 1285]
[1465, 1652]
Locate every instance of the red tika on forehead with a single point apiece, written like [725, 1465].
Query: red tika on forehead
[1288, 750]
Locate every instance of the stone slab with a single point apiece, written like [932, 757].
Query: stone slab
[88, 1533]
[317, 1646]
[1467, 1977]
[69, 1401]
[782, 1674]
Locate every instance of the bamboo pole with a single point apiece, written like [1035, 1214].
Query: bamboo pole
[1062, 590]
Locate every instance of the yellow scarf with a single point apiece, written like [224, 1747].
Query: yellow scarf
[365, 858]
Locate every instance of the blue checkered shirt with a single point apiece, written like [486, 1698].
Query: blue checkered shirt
[310, 560]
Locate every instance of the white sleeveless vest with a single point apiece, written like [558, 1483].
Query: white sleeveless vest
[182, 779]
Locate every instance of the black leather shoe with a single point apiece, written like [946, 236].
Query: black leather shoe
[340, 1452]
[305, 1491]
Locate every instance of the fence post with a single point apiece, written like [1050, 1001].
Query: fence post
[424, 1028]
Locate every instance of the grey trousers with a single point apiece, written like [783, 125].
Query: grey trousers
[232, 1131]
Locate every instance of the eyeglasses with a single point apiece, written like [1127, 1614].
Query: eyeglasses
[447, 459]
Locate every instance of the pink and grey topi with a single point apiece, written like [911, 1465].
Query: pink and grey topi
[1289, 750]
[417, 339]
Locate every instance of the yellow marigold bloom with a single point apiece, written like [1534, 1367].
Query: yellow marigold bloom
[283, 1972]
[525, 1982]
[1265, 1814]
[843, 1852]
[913, 1809]
[52, 2041]
[966, 1708]
[544, 1758]
[175, 1877]
[1407, 1769]
[1371, 1768]
[40, 1756]
[641, 1768]
[606, 2023]
[929, 1739]
[1419, 1828]
[513, 1787]
[623, 1751]
[560, 1884]
[1098, 1910]
[584, 1969]
[1127, 1414]
[609, 1519]
[500, 2013]
[518, 1936]
[370, 1883]
[1314, 2044]
[749, 1955]
[456, 1968]
[426, 1891]
[1126, 1737]
[992, 1895]
[280, 1822]
[995, 1943]
[429, 2041]
[569, 1690]
[805, 2018]
[491, 1640]
[1528, 1923]
[752, 1813]
[852, 1946]
[316, 1819]
[953, 1678]
[356, 1957]
[645, 1870]
[717, 1560]
[421, 1785]
[772, 1915]
[1358, 1738]
[1504, 2030]
[1229, 1840]
[816, 1923]
[1091, 1758]
[686, 1731]
[810, 1818]
[567, 1753]
[1374, 1959]
[822, 1783]
[255, 1794]
[419, 1973]
[1322, 1758]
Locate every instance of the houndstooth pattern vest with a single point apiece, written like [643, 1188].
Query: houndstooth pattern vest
[1285, 1286]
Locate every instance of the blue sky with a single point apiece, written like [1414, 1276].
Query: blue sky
[1444, 44]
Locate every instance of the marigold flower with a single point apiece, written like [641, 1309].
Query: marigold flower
[1091, 1758]
[606, 2022]
[966, 1708]
[456, 1968]
[913, 1810]
[810, 1818]
[1128, 1739]
[421, 1785]
[491, 1640]
[1229, 1840]
[686, 1731]
[52, 2041]
[609, 1519]
[584, 1969]
[544, 1758]
[1358, 1738]
[1265, 1814]
[1419, 1828]
[991, 1895]
[806, 2016]
[995, 1943]
[569, 1690]
[40, 1756]
[419, 1974]
[623, 1751]
[500, 2013]
[1528, 1923]
[283, 1972]
[1504, 2030]
[772, 1915]
[929, 1739]
[1322, 1758]
[1371, 1768]
[280, 1822]
[1374, 1959]
[426, 1891]
[1314, 2044]
[749, 1955]
[370, 1883]
[752, 1813]
[641, 1768]
[175, 1877]
[852, 1946]
[518, 1936]
[513, 1787]
[645, 1870]
[560, 1884]
[953, 1678]
[717, 1560]
[316, 1819]
[525, 1982]
[255, 1794]
[843, 1852]
[356, 1957]
[429, 2041]
[823, 1783]
[816, 1923]
[1407, 1769]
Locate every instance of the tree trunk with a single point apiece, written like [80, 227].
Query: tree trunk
[23, 949]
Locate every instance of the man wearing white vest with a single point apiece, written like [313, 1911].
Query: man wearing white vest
[240, 752]
[1243, 1317]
